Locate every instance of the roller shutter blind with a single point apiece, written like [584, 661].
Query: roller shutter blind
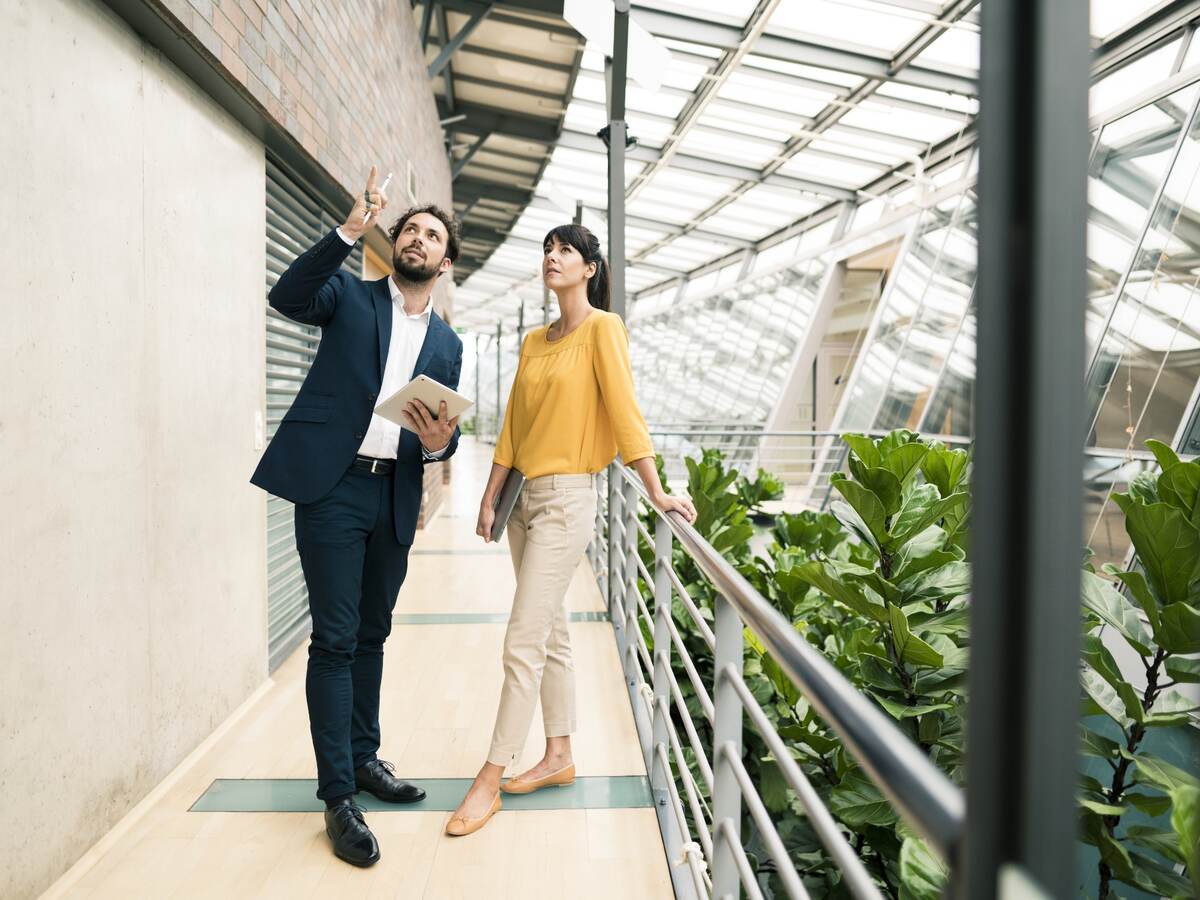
[295, 221]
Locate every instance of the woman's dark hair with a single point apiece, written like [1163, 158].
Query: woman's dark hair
[599, 286]
[453, 235]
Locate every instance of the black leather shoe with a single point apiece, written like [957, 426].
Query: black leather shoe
[376, 778]
[351, 838]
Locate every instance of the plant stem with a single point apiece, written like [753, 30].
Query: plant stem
[1136, 733]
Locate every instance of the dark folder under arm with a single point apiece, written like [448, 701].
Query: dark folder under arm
[505, 501]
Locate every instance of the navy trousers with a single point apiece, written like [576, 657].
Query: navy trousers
[353, 568]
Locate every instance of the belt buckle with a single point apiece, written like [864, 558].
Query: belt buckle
[374, 463]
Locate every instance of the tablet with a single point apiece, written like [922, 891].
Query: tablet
[427, 391]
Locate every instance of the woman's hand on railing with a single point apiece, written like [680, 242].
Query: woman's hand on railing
[665, 502]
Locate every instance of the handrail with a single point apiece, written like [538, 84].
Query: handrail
[921, 794]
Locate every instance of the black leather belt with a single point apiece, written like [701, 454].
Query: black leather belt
[373, 465]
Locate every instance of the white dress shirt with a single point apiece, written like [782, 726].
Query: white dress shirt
[408, 335]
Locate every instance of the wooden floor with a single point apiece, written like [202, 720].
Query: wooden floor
[440, 689]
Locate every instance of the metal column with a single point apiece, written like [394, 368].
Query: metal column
[617, 68]
[1025, 609]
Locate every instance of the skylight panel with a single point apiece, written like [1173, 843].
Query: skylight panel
[745, 87]
[1110, 16]
[929, 97]
[870, 26]
[878, 116]
[721, 145]
[956, 48]
[841, 172]
[812, 73]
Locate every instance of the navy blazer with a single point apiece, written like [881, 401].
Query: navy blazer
[319, 437]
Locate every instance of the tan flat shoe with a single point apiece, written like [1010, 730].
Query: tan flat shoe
[561, 778]
[460, 826]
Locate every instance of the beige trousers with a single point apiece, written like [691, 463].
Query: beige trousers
[551, 525]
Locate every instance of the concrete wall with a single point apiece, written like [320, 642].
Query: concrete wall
[132, 560]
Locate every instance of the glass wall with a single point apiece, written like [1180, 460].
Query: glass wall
[1142, 319]
[725, 356]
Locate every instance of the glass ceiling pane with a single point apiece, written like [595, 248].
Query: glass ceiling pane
[731, 11]
[745, 87]
[956, 48]
[879, 116]
[1108, 16]
[868, 25]
[722, 145]
[839, 172]
[812, 73]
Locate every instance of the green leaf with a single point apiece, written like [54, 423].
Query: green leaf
[950, 580]
[1179, 629]
[819, 575]
[909, 647]
[864, 448]
[904, 460]
[924, 551]
[900, 712]
[1136, 583]
[1096, 655]
[1161, 773]
[868, 506]
[853, 522]
[1102, 809]
[1106, 602]
[1183, 670]
[1170, 708]
[1168, 546]
[1105, 698]
[1097, 745]
[1179, 485]
[1153, 805]
[884, 485]
[921, 509]
[895, 439]
[922, 875]
[1167, 459]
[944, 468]
[1185, 820]
[1157, 878]
[1144, 487]
[773, 787]
[857, 802]
[1116, 856]
[1164, 843]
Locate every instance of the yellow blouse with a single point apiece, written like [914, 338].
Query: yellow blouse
[572, 405]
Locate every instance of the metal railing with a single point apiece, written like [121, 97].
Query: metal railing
[712, 861]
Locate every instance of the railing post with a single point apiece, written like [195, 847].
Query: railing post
[614, 516]
[630, 578]
[662, 652]
[727, 729]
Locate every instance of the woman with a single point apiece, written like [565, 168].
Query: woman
[571, 408]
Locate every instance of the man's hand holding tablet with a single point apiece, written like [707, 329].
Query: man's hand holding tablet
[412, 407]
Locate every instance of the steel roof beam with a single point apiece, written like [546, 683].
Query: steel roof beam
[795, 50]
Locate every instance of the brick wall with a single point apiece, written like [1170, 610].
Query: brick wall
[348, 81]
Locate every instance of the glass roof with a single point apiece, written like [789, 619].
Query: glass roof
[732, 161]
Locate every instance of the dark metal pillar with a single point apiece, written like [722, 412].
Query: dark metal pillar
[1025, 609]
[617, 68]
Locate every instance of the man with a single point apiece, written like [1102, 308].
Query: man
[356, 480]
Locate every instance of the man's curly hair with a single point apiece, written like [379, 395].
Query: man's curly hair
[453, 235]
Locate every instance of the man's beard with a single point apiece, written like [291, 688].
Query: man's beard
[418, 271]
